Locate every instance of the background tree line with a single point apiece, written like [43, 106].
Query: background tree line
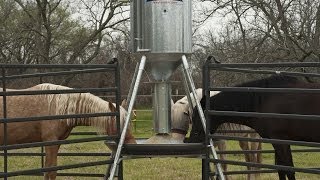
[83, 32]
[261, 31]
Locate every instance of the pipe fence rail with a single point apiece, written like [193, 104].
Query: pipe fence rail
[41, 71]
[251, 68]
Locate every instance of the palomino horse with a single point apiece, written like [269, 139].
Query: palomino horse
[181, 117]
[266, 102]
[52, 130]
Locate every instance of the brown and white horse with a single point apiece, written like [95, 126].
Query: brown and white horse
[181, 118]
[52, 130]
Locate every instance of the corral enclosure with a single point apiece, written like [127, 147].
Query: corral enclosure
[30, 39]
[92, 151]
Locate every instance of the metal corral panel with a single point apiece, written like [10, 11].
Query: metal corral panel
[161, 26]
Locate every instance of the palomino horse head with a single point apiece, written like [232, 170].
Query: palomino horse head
[180, 117]
[123, 114]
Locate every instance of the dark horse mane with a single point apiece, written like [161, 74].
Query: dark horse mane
[272, 81]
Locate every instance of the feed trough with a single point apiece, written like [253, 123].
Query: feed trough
[151, 150]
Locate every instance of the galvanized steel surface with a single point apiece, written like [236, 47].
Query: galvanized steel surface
[162, 107]
[161, 26]
[162, 31]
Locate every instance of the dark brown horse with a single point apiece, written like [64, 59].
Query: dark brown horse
[275, 128]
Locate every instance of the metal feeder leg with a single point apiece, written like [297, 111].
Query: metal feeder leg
[187, 90]
[200, 110]
[126, 123]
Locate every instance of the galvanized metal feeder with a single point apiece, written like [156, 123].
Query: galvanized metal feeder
[161, 31]
[161, 36]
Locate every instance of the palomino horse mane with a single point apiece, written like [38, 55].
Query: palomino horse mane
[80, 103]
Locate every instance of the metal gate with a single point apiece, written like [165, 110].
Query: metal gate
[261, 69]
[44, 73]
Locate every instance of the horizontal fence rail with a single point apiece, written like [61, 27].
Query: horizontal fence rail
[59, 73]
[55, 168]
[265, 140]
[111, 67]
[58, 142]
[269, 166]
[267, 90]
[64, 91]
[265, 115]
[57, 117]
[245, 172]
[252, 71]
[60, 154]
[217, 66]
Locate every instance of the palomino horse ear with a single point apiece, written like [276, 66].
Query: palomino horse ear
[112, 107]
[124, 104]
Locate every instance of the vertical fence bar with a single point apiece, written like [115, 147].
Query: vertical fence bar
[42, 149]
[118, 94]
[118, 101]
[5, 125]
[206, 94]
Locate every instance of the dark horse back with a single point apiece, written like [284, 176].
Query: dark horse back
[248, 101]
[270, 102]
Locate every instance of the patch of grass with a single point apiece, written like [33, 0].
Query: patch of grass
[159, 168]
[143, 125]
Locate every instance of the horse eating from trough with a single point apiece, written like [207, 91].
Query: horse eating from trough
[267, 102]
[181, 114]
[52, 130]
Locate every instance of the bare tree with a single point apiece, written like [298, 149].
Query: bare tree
[59, 38]
[267, 30]
[258, 31]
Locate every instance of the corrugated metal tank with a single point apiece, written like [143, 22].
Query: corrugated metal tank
[161, 30]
